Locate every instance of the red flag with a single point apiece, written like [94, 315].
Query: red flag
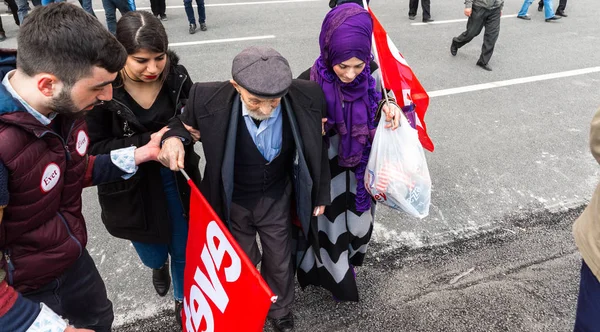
[223, 291]
[398, 77]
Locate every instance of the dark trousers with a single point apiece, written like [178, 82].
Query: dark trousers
[110, 11]
[189, 11]
[587, 318]
[562, 4]
[270, 217]
[480, 18]
[14, 9]
[159, 7]
[79, 295]
[425, 5]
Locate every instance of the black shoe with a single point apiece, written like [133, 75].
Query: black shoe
[540, 7]
[561, 14]
[203, 26]
[484, 66]
[427, 20]
[411, 17]
[453, 49]
[526, 17]
[192, 29]
[553, 18]
[283, 324]
[178, 307]
[161, 279]
[163, 17]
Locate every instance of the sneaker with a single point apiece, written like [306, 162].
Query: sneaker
[203, 26]
[192, 29]
[163, 17]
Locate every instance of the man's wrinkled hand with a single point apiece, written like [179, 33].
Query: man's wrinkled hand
[194, 132]
[172, 154]
[468, 11]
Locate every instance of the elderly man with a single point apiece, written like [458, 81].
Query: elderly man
[262, 139]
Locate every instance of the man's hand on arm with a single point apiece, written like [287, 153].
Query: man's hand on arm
[172, 154]
[150, 151]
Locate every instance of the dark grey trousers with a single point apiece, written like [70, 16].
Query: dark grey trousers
[270, 217]
[480, 18]
[413, 5]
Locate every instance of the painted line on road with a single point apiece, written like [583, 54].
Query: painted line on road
[228, 4]
[515, 81]
[214, 5]
[216, 41]
[452, 21]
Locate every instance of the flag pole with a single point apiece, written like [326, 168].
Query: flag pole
[374, 50]
[185, 175]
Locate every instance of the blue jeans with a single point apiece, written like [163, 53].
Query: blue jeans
[110, 11]
[154, 255]
[46, 2]
[189, 11]
[23, 8]
[587, 318]
[547, 8]
[87, 6]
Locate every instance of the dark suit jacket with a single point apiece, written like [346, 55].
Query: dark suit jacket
[213, 108]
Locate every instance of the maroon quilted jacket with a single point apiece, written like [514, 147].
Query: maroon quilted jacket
[43, 231]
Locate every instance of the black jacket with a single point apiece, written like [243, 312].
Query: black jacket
[214, 108]
[136, 209]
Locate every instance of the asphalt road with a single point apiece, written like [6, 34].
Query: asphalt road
[519, 148]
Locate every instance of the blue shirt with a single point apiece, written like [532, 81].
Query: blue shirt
[268, 135]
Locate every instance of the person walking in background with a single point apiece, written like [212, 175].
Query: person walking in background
[189, 11]
[159, 9]
[110, 11]
[23, 8]
[548, 13]
[46, 2]
[481, 13]
[586, 231]
[560, 10]
[87, 6]
[413, 5]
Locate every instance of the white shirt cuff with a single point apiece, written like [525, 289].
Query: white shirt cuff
[124, 159]
[47, 321]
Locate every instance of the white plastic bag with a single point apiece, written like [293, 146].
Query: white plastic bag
[397, 173]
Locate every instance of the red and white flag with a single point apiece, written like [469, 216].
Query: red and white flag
[398, 77]
[223, 291]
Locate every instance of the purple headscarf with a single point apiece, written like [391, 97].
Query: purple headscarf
[351, 107]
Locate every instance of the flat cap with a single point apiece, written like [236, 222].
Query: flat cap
[262, 71]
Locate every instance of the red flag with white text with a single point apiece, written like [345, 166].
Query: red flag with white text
[399, 77]
[223, 291]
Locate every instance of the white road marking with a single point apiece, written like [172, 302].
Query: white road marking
[216, 41]
[451, 21]
[515, 81]
[226, 4]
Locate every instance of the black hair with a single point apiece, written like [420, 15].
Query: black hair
[65, 41]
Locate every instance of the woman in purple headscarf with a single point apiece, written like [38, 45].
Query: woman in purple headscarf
[344, 70]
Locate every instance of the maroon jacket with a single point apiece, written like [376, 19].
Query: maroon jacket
[43, 231]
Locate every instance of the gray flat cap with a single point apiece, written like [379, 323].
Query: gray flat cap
[262, 71]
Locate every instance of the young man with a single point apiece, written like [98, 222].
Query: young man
[262, 139]
[66, 63]
[481, 13]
